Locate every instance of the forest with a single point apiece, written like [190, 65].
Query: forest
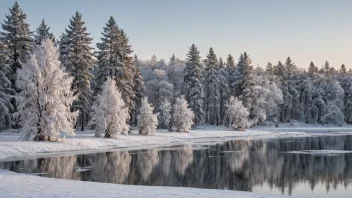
[50, 85]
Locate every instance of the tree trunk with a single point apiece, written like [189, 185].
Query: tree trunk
[82, 120]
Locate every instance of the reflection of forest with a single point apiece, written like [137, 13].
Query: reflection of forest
[237, 165]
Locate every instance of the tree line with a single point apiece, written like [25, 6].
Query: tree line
[50, 85]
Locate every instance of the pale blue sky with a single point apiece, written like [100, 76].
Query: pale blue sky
[269, 30]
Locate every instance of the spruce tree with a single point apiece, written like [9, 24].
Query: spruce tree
[138, 89]
[42, 32]
[17, 37]
[231, 68]
[193, 81]
[312, 70]
[247, 82]
[6, 106]
[212, 99]
[224, 91]
[76, 55]
[343, 69]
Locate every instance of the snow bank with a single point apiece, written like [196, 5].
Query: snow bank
[21, 185]
[12, 148]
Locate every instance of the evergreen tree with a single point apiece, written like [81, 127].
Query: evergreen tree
[247, 82]
[193, 81]
[17, 37]
[110, 113]
[224, 91]
[231, 69]
[343, 69]
[138, 88]
[212, 99]
[45, 97]
[312, 70]
[77, 57]
[6, 91]
[42, 32]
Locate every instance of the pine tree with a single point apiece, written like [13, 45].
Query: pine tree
[138, 88]
[110, 113]
[42, 32]
[147, 121]
[193, 81]
[182, 118]
[312, 70]
[224, 88]
[77, 57]
[231, 69]
[6, 91]
[343, 69]
[212, 99]
[237, 77]
[45, 97]
[17, 37]
[247, 82]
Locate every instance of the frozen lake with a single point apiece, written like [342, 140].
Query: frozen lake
[303, 166]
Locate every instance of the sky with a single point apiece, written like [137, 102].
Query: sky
[268, 30]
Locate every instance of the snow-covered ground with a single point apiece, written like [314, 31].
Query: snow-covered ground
[21, 185]
[84, 142]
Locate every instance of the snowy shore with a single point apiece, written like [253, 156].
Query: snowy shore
[12, 148]
[21, 185]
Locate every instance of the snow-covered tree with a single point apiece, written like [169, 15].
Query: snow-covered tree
[247, 82]
[6, 92]
[164, 114]
[17, 37]
[138, 88]
[212, 95]
[333, 115]
[110, 113]
[193, 81]
[77, 57]
[224, 90]
[236, 115]
[42, 32]
[147, 121]
[45, 98]
[182, 118]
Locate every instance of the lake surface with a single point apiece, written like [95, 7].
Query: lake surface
[264, 166]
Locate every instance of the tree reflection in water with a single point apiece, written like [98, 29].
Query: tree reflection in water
[235, 165]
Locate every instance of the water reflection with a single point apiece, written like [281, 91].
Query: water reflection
[235, 165]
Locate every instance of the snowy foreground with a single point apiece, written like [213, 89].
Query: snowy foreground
[21, 185]
[84, 142]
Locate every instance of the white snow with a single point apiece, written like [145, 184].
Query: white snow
[21, 185]
[320, 152]
[84, 142]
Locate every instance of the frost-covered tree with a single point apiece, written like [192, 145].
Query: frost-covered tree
[333, 115]
[164, 114]
[45, 97]
[224, 90]
[6, 92]
[77, 57]
[43, 32]
[193, 81]
[147, 121]
[212, 95]
[182, 118]
[138, 88]
[236, 115]
[343, 69]
[110, 113]
[247, 82]
[16, 36]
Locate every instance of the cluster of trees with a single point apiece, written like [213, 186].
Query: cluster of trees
[49, 85]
